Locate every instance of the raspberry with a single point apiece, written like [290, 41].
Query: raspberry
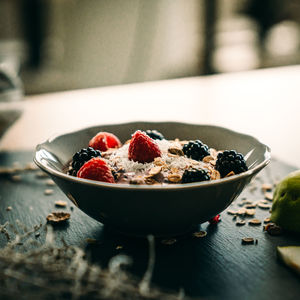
[96, 169]
[142, 148]
[104, 140]
[215, 220]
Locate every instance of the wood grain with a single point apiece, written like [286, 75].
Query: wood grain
[216, 266]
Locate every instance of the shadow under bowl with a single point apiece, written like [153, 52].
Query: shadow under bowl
[142, 209]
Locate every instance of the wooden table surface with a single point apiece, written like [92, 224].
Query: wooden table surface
[263, 103]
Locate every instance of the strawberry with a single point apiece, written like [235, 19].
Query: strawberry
[104, 140]
[96, 169]
[142, 148]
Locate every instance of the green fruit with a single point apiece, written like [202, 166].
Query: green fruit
[286, 203]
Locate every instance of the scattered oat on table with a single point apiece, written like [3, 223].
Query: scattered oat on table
[266, 187]
[57, 217]
[16, 178]
[240, 223]
[41, 175]
[231, 212]
[50, 182]
[200, 234]
[48, 192]
[250, 212]
[241, 212]
[269, 196]
[247, 241]
[254, 222]
[60, 203]
[267, 220]
[264, 206]
[30, 166]
[249, 206]
[169, 241]
[8, 208]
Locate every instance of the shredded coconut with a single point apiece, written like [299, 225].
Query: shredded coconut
[120, 159]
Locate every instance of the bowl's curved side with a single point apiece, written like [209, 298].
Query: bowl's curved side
[160, 210]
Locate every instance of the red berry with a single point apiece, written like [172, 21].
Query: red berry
[215, 220]
[96, 169]
[104, 140]
[142, 148]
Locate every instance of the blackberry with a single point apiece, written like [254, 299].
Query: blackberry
[155, 135]
[230, 161]
[195, 175]
[81, 157]
[195, 150]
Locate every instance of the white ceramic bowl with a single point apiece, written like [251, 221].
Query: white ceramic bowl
[143, 209]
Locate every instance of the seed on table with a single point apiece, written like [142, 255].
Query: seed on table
[254, 222]
[264, 206]
[16, 178]
[8, 208]
[169, 241]
[41, 175]
[48, 192]
[31, 167]
[240, 223]
[263, 201]
[250, 212]
[267, 220]
[231, 212]
[266, 187]
[57, 217]
[60, 203]
[241, 211]
[200, 234]
[250, 205]
[247, 241]
[50, 182]
[269, 196]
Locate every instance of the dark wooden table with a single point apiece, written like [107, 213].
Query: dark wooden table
[217, 266]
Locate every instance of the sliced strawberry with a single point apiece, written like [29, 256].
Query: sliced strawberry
[96, 169]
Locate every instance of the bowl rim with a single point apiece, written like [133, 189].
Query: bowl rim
[122, 186]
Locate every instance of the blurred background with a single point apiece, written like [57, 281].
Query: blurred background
[59, 45]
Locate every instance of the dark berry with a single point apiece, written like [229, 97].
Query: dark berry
[195, 150]
[155, 135]
[194, 175]
[230, 161]
[81, 157]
